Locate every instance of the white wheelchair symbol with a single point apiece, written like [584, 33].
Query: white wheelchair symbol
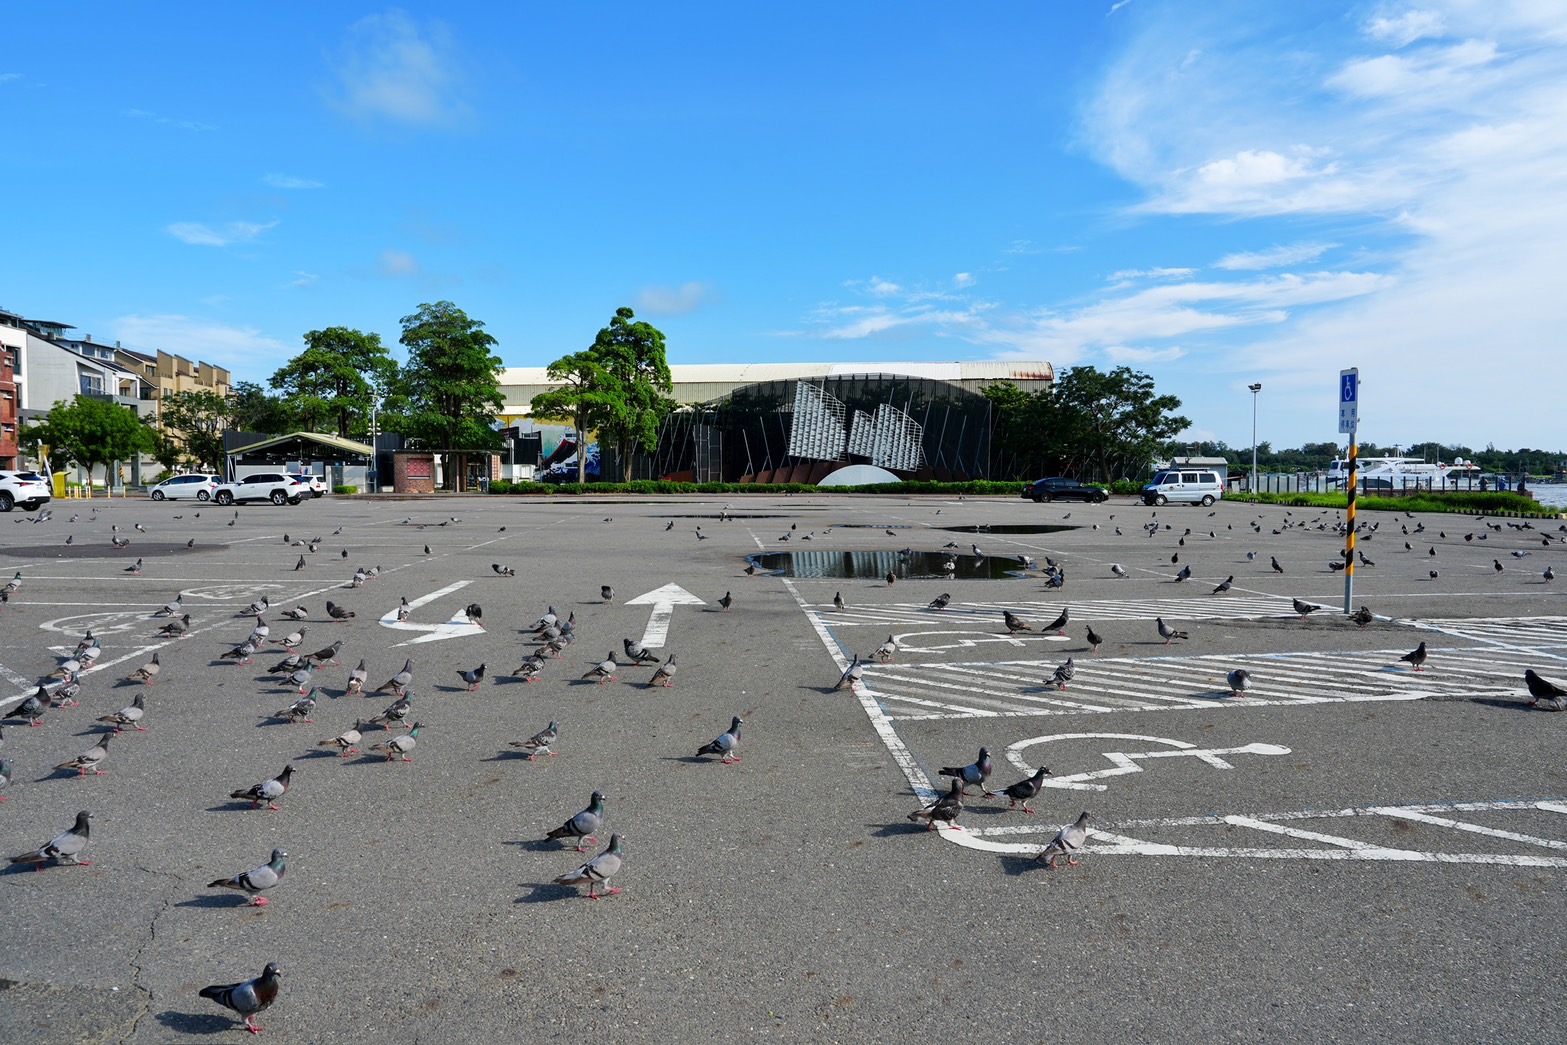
[227, 592]
[104, 623]
[907, 643]
[1123, 762]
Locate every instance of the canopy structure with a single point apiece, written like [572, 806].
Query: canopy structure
[295, 446]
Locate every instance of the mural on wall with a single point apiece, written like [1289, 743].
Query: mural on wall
[558, 463]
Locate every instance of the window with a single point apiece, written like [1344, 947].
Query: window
[1189, 477]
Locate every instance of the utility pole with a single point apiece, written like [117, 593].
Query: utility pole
[1254, 390]
[1349, 421]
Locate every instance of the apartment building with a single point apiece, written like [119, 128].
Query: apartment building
[13, 338]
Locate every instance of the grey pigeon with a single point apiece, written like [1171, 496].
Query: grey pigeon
[294, 638]
[939, 602]
[1023, 790]
[665, 675]
[1070, 839]
[540, 743]
[977, 772]
[357, 679]
[637, 654]
[727, 601]
[582, 827]
[300, 710]
[1304, 608]
[404, 611]
[268, 791]
[606, 593]
[1186, 571]
[297, 613]
[1238, 680]
[1119, 571]
[176, 629]
[130, 716]
[472, 677]
[337, 612]
[1416, 657]
[247, 998]
[532, 665]
[90, 759]
[398, 682]
[1363, 616]
[1224, 585]
[172, 609]
[597, 870]
[1063, 674]
[837, 601]
[604, 670]
[946, 809]
[396, 712]
[502, 571]
[1276, 567]
[1094, 639]
[63, 849]
[301, 677]
[257, 880]
[884, 652]
[1167, 633]
[400, 745]
[725, 744]
[33, 707]
[1015, 623]
[1059, 624]
[346, 740]
[244, 653]
[851, 674]
[288, 665]
[1543, 694]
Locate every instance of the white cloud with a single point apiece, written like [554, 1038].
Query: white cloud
[199, 235]
[304, 280]
[1404, 29]
[289, 181]
[1274, 257]
[676, 301]
[1125, 355]
[398, 264]
[1153, 273]
[169, 121]
[8, 77]
[963, 280]
[200, 340]
[393, 68]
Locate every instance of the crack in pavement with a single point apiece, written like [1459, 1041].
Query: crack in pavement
[152, 936]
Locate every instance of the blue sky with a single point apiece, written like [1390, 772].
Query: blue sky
[1214, 193]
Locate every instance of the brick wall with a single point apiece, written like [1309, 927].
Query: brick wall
[413, 473]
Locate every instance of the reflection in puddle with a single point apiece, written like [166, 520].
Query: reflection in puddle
[876, 565]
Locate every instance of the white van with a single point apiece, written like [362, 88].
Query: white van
[1184, 486]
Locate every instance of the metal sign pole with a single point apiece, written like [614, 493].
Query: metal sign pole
[1349, 421]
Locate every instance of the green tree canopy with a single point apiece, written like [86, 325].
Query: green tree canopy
[582, 400]
[251, 409]
[198, 419]
[93, 431]
[638, 385]
[451, 382]
[332, 384]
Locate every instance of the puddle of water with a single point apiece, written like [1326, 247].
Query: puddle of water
[850, 565]
[1006, 528]
[730, 515]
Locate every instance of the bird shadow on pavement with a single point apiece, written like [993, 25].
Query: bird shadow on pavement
[232, 806]
[450, 689]
[214, 900]
[320, 752]
[511, 680]
[893, 830]
[196, 1023]
[690, 760]
[548, 892]
[1017, 866]
[506, 756]
[1490, 702]
[28, 868]
[537, 845]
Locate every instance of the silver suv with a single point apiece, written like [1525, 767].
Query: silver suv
[276, 487]
[28, 489]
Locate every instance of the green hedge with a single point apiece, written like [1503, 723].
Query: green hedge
[978, 488]
[345, 489]
[1459, 502]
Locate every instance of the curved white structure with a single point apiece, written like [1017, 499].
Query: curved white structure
[859, 475]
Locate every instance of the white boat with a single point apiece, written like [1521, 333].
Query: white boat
[1397, 473]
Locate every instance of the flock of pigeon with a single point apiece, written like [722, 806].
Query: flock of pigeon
[550, 636]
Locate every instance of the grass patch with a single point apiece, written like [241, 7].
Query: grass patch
[1461, 502]
[977, 488]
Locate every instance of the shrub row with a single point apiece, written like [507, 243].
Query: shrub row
[1453, 503]
[977, 488]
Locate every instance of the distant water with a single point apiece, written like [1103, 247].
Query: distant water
[1554, 494]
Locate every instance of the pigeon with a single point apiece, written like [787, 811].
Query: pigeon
[1067, 841]
[1497, 565]
[62, 849]
[581, 827]
[356, 679]
[1059, 624]
[346, 740]
[1119, 571]
[1176, 558]
[398, 682]
[268, 791]
[427, 549]
[851, 674]
[33, 707]
[606, 594]
[726, 601]
[1186, 571]
[1517, 554]
[301, 676]
[532, 665]
[1416, 656]
[1094, 639]
[400, 745]
[1363, 616]
[1545, 695]
[256, 608]
[725, 743]
[946, 809]
[1015, 623]
[1238, 680]
[1276, 567]
[604, 670]
[502, 571]
[396, 712]
[837, 601]
[259, 633]
[337, 612]
[294, 638]
[1224, 585]
[172, 609]
[939, 602]
[65, 696]
[670, 526]
[1023, 790]
[473, 677]
[1549, 574]
[1167, 633]
[599, 869]
[404, 610]
[247, 998]
[750, 570]
[299, 710]
[68, 669]
[90, 759]
[1363, 560]
[358, 579]
[885, 651]
[540, 743]
[6, 776]
[244, 652]
[665, 675]
[257, 880]
[1063, 674]
[175, 629]
[130, 716]
[976, 772]
[638, 654]
[1304, 608]
[892, 578]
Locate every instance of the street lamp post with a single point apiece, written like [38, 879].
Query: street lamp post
[1254, 390]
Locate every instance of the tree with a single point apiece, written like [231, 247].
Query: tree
[637, 385]
[582, 399]
[251, 409]
[1112, 425]
[198, 418]
[92, 431]
[335, 381]
[451, 381]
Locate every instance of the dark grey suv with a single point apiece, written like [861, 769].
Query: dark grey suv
[1064, 490]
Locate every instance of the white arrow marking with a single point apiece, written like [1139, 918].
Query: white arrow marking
[663, 600]
[458, 626]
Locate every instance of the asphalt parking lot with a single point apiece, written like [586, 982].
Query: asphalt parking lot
[1353, 850]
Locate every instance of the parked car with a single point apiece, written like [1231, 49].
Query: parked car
[196, 484]
[1064, 490]
[28, 489]
[316, 484]
[1184, 486]
[277, 487]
